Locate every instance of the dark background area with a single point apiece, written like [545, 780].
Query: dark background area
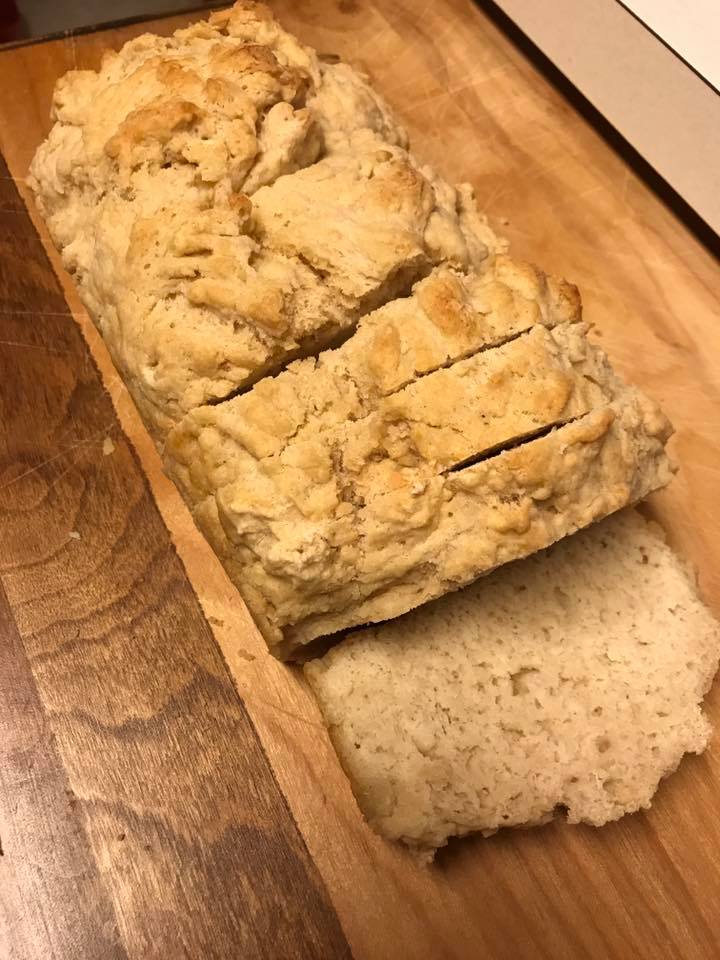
[23, 19]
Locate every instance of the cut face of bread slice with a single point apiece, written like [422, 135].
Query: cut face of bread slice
[144, 183]
[571, 679]
[326, 524]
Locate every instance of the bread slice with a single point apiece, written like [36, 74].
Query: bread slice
[144, 183]
[326, 525]
[571, 680]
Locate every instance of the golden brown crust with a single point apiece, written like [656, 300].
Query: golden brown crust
[168, 140]
[333, 523]
[448, 317]
[484, 516]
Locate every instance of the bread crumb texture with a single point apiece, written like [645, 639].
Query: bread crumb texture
[571, 680]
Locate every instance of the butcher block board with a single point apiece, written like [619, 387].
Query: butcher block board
[166, 788]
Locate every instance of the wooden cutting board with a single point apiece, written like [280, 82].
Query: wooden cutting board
[166, 788]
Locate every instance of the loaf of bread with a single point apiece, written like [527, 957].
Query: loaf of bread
[368, 403]
[365, 401]
[570, 681]
[227, 202]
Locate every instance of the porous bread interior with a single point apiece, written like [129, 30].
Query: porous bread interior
[573, 679]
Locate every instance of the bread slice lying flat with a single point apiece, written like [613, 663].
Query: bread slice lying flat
[573, 679]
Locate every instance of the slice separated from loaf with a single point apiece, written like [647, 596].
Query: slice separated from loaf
[174, 176]
[573, 679]
[334, 509]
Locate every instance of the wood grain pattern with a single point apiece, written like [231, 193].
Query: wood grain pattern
[647, 887]
[41, 827]
[134, 785]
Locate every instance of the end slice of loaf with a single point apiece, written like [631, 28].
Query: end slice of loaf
[573, 679]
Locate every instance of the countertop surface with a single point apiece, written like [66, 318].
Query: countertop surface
[166, 788]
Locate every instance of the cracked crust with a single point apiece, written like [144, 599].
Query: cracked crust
[423, 537]
[484, 710]
[160, 181]
[331, 525]
[368, 221]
